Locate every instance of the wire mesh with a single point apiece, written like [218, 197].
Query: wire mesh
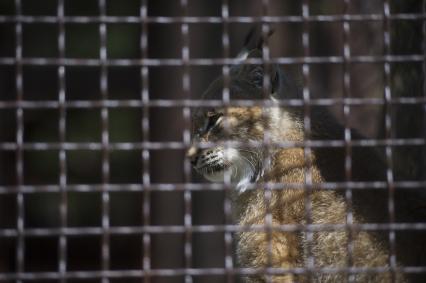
[115, 206]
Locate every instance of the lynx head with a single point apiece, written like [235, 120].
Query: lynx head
[242, 164]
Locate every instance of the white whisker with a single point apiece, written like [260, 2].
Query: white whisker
[252, 165]
[238, 164]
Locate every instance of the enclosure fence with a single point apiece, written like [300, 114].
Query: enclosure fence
[19, 189]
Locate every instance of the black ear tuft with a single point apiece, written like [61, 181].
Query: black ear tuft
[254, 40]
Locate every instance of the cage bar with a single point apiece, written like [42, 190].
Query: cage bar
[22, 190]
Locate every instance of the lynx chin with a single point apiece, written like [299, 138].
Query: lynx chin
[238, 154]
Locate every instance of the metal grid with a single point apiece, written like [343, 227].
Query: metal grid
[105, 104]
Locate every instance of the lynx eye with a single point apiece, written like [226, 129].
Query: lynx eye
[212, 120]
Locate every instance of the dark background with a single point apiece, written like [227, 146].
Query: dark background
[40, 83]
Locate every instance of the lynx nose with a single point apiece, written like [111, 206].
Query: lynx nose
[192, 154]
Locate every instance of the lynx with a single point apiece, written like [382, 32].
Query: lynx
[250, 163]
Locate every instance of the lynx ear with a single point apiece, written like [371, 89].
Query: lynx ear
[254, 40]
[254, 73]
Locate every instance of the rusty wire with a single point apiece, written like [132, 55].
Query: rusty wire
[105, 146]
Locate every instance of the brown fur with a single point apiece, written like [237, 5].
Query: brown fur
[287, 205]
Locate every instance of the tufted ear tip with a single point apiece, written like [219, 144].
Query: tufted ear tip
[254, 40]
[256, 37]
